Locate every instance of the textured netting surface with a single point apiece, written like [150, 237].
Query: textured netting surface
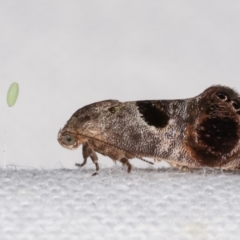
[146, 204]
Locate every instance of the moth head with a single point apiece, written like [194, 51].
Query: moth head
[68, 139]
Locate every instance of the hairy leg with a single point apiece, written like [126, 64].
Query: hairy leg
[179, 167]
[87, 151]
[85, 154]
[94, 158]
[125, 162]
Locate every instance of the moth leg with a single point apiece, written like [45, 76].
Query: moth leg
[87, 151]
[232, 168]
[86, 154]
[181, 168]
[124, 162]
[184, 168]
[94, 158]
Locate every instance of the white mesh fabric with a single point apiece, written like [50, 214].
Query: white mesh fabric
[146, 204]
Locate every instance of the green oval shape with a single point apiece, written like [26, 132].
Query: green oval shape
[12, 94]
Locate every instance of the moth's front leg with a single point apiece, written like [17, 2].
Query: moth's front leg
[87, 151]
[94, 158]
[85, 154]
[125, 162]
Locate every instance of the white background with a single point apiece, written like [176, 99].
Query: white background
[66, 54]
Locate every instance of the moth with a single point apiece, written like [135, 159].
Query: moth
[203, 131]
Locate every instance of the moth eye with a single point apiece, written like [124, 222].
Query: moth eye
[222, 96]
[236, 105]
[68, 140]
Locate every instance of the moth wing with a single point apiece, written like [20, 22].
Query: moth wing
[214, 138]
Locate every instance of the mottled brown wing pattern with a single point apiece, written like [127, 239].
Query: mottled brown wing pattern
[197, 132]
[214, 137]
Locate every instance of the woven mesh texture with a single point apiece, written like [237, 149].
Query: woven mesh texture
[146, 204]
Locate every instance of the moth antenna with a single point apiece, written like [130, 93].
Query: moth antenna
[144, 160]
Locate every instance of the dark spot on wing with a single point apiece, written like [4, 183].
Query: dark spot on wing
[219, 134]
[216, 138]
[223, 96]
[236, 105]
[152, 115]
[231, 98]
